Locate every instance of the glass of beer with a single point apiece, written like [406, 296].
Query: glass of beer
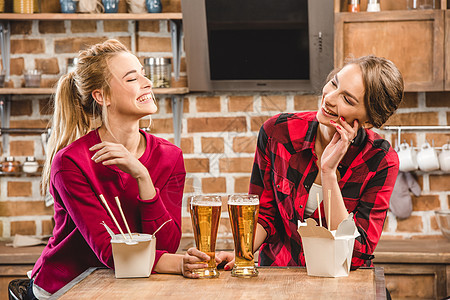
[205, 216]
[243, 210]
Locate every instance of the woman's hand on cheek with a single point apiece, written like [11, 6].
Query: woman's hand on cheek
[116, 154]
[336, 149]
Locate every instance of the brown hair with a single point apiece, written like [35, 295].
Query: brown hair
[74, 107]
[383, 87]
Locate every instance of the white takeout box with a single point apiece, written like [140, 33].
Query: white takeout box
[133, 260]
[328, 253]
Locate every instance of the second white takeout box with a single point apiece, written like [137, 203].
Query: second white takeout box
[328, 253]
[133, 259]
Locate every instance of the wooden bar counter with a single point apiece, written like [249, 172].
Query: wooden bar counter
[272, 282]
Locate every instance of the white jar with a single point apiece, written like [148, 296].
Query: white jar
[30, 165]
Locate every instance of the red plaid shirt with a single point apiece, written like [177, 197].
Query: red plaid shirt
[284, 170]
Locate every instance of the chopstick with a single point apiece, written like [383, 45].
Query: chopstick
[318, 207]
[112, 216]
[123, 216]
[329, 209]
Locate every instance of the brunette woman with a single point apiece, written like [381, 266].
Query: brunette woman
[301, 154]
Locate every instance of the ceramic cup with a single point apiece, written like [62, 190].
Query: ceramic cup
[111, 6]
[408, 158]
[427, 158]
[68, 6]
[444, 158]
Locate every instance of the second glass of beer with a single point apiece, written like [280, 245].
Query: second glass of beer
[243, 210]
[205, 215]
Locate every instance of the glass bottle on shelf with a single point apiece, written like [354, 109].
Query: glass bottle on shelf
[353, 6]
[10, 165]
[30, 165]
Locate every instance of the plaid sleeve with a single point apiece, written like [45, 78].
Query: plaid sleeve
[261, 184]
[372, 209]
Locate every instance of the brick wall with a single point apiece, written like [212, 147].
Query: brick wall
[218, 130]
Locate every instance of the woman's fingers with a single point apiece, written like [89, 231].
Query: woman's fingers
[192, 260]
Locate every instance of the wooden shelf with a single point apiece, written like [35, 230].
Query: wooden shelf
[49, 91]
[80, 16]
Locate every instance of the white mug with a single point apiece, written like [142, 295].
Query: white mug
[427, 158]
[444, 158]
[408, 158]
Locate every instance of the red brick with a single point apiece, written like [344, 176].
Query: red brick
[439, 139]
[24, 208]
[433, 223]
[214, 185]
[448, 118]
[195, 165]
[439, 182]
[21, 148]
[19, 189]
[416, 118]
[162, 126]
[45, 106]
[49, 82]
[240, 103]
[217, 124]
[189, 185]
[21, 27]
[47, 66]
[406, 137]
[114, 26]
[409, 100]
[51, 27]
[306, 102]
[186, 225]
[241, 184]
[273, 103]
[411, 224]
[21, 108]
[1, 227]
[151, 26]
[74, 45]
[31, 46]
[256, 122]
[181, 82]
[438, 99]
[246, 144]
[212, 145]
[208, 104]
[29, 123]
[187, 144]
[169, 110]
[238, 164]
[153, 44]
[425, 202]
[17, 65]
[81, 26]
[23, 228]
[47, 227]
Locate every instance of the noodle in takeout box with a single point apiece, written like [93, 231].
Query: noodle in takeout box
[134, 255]
[328, 253]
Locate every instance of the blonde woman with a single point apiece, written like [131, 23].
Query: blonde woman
[116, 159]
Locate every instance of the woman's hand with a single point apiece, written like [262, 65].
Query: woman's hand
[336, 149]
[192, 260]
[226, 259]
[116, 154]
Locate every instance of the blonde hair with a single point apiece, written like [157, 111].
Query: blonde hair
[74, 107]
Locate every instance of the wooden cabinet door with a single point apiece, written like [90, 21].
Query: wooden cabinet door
[413, 40]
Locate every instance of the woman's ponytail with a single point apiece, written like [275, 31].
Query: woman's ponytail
[70, 122]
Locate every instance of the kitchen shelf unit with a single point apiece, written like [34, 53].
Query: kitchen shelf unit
[176, 34]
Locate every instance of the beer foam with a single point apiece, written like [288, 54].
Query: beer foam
[243, 203]
[206, 203]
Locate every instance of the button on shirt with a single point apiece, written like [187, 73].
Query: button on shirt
[284, 169]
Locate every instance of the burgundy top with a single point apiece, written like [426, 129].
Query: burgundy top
[284, 170]
[79, 240]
